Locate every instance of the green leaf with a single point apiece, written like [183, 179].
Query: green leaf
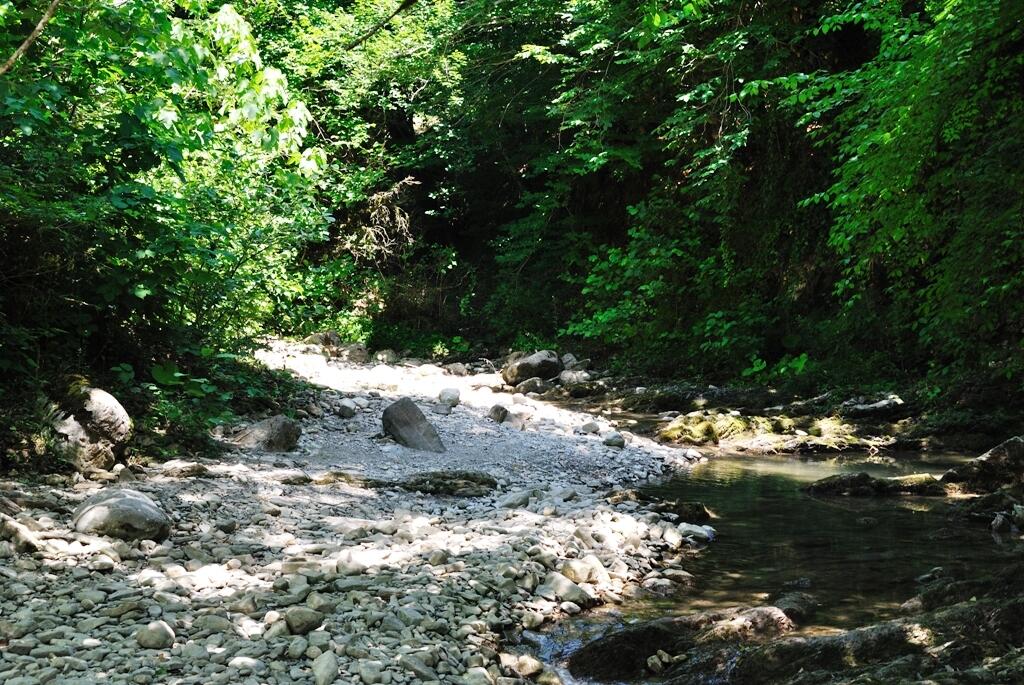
[167, 374]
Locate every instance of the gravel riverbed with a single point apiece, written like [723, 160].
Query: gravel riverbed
[316, 566]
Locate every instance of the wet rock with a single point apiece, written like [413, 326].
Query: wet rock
[94, 429]
[498, 414]
[404, 422]
[275, 434]
[587, 389]
[691, 512]
[798, 606]
[777, 661]
[623, 655]
[543, 364]
[704, 533]
[122, 513]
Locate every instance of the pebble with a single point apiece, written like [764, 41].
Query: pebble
[156, 635]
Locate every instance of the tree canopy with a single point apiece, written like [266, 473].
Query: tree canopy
[815, 192]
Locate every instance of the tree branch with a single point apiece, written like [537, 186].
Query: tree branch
[381, 24]
[23, 48]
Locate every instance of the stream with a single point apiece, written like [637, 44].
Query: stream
[859, 557]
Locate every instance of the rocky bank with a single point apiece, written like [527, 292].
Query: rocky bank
[322, 551]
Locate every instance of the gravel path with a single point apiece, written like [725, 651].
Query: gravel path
[282, 568]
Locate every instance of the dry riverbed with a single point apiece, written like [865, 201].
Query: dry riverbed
[320, 565]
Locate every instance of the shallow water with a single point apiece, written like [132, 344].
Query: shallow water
[859, 557]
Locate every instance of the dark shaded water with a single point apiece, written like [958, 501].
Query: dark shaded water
[858, 557]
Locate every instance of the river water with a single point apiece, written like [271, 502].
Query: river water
[859, 557]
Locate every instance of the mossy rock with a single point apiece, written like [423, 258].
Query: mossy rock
[451, 483]
[703, 429]
[333, 477]
[865, 485]
[690, 512]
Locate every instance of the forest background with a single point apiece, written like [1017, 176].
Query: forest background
[812, 194]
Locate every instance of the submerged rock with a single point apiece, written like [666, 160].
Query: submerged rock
[404, 422]
[624, 655]
[865, 485]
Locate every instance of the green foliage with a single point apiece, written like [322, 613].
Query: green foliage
[814, 191]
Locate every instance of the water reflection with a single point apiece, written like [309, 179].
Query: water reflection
[859, 557]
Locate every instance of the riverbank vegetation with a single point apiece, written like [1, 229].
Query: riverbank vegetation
[813, 194]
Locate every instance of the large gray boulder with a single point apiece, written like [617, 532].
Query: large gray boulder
[94, 429]
[544, 364]
[276, 434]
[122, 513]
[404, 422]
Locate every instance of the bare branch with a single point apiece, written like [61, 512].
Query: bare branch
[381, 24]
[27, 43]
